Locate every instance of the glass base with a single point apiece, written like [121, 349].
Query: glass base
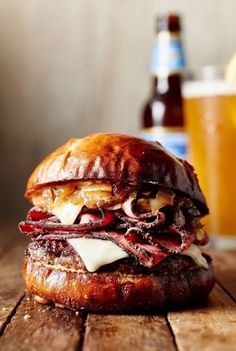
[222, 242]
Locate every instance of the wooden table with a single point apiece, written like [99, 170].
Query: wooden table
[26, 325]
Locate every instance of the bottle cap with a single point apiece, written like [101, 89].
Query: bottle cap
[168, 22]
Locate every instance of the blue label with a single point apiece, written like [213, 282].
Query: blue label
[167, 56]
[175, 142]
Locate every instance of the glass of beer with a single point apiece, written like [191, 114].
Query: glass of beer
[210, 111]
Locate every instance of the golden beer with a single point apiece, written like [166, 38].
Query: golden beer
[210, 109]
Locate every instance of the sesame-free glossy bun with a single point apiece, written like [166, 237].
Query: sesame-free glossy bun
[55, 274]
[117, 158]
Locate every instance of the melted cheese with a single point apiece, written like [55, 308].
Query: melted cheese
[96, 253]
[66, 202]
[67, 212]
[200, 234]
[195, 253]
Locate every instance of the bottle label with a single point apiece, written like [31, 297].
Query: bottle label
[167, 55]
[173, 139]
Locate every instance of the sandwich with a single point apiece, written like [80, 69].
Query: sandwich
[115, 227]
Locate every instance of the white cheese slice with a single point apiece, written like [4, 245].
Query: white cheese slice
[96, 253]
[67, 212]
[195, 253]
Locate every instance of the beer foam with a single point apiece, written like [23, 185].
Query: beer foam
[201, 88]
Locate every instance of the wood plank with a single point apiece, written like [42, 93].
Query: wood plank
[225, 269]
[206, 328]
[40, 327]
[127, 332]
[12, 286]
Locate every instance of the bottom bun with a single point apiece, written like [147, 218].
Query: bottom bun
[119, 287]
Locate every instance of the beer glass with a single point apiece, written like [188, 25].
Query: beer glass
[210, 112]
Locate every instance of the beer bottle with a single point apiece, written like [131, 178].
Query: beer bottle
[162, 118]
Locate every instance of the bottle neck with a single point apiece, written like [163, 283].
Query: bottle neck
[168, 35]
[167, 55]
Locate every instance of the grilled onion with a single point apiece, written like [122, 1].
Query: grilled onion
[163, 198]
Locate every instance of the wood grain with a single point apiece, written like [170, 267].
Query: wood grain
[12, 286]
[225, 270]
[34, 327]
[127, 332]
[40, 328]
[206, 328]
